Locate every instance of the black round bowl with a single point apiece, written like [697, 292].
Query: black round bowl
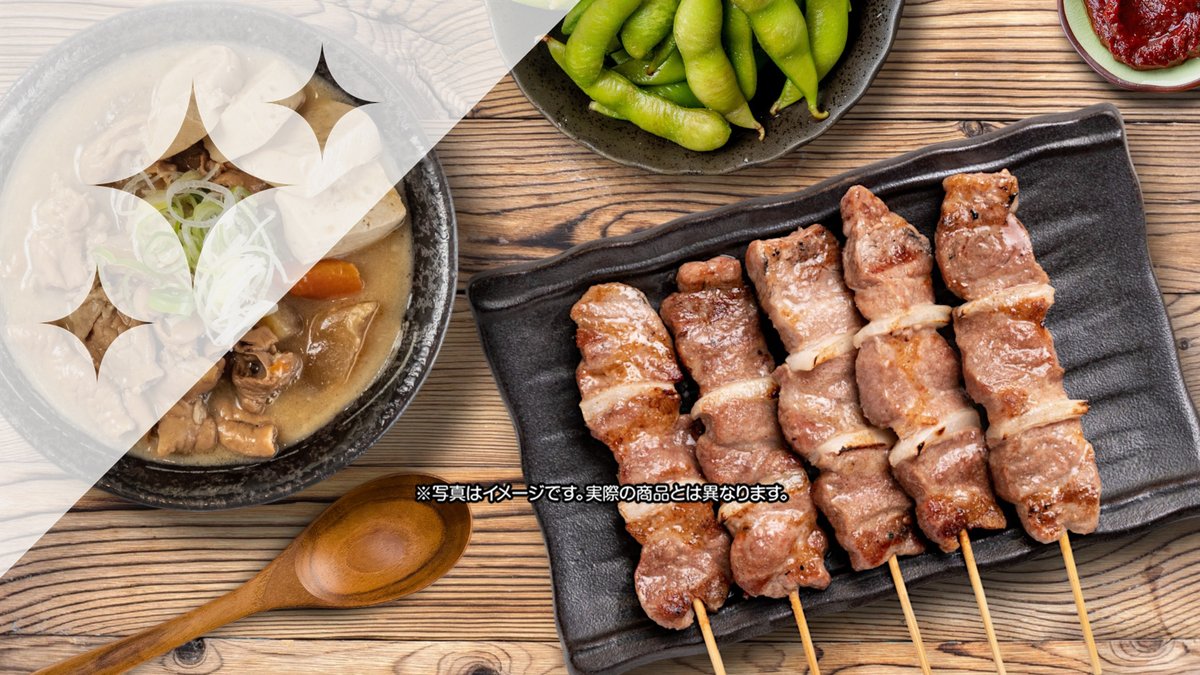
[434, 249]
[873, 25]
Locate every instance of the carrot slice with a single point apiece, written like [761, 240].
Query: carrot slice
[329, 278]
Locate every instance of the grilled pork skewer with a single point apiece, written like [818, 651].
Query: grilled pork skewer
[908, 376]
[1039, 459]
[777, 547]
[627, 380]
[910, 381]
[799, 283]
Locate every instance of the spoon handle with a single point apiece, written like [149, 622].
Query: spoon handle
[119, 656]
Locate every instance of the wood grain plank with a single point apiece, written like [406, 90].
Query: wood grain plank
[544, 658]
[524, 191]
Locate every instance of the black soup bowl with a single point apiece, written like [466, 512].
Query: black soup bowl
[431, 214]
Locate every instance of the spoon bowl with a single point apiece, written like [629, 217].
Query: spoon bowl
[375, 544]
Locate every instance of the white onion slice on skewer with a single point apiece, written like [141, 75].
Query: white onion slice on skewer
[760, 387]
[1006, 298]
[910, 446]
[600, 403]
[866, 437]
[917, 316]
[820, 351]
[1039, 416]
[731, 510]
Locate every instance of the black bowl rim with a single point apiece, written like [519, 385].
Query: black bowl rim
[379, 391]
[893, 27]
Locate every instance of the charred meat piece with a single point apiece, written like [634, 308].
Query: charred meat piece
[982, 248]
[260, 371]
[627, 382]
[908, 375]
[799, 282]
[777, 547]
[1039, 459]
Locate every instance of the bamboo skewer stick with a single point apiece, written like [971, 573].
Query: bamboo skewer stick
[914, 631]
[810, 652]
[981, 600]
[710, 642]
[1073, 575]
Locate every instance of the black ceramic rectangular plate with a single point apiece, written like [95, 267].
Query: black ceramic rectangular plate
[1082, 204]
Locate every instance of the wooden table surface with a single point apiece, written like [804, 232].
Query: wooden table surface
[523, 191]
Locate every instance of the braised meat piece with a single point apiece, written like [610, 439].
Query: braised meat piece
[1039, 459]
[627, 382]
[242, 431]
[260, 371]
[799, 282]
[336, 336]
[908, 375]
[231, 178]
[777, 547]
[196, 158]
[97, 323]
[187, 427]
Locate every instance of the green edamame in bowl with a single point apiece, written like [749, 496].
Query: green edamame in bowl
[706, 86]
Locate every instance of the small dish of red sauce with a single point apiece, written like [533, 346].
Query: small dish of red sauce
[1148, 34]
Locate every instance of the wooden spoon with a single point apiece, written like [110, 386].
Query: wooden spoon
[375, 544]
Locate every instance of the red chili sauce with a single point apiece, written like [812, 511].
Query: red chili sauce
[1148, 34]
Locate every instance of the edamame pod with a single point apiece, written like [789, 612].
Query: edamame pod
[637, 72]
[739, 44]
[787, 96]
[648, 26]
[781, 30]
[663, 51]
[828, 30]
[572, 18]
[709, 72]
[606, 111]
[679, 93]
[695, 129]
[596, 30]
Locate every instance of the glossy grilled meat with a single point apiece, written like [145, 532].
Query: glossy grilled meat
[1039, 459]
[908, 378]
[799, 283]
[627, 380]
[777, 546]
[981, 246]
